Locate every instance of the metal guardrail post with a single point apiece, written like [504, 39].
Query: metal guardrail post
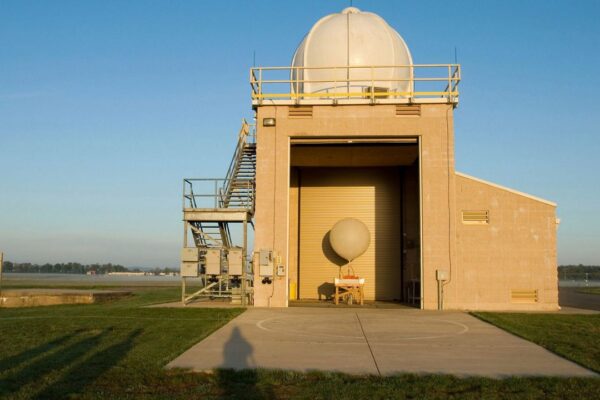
[449, 82]
[260, 82]
[215, 192]
[297, 94]
[372, 87]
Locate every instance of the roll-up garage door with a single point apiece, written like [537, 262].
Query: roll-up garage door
[371, 195]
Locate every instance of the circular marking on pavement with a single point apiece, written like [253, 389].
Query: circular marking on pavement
[310, 328]
[389, 330]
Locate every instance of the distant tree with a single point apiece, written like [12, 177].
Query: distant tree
[64, 268]
[579, 272]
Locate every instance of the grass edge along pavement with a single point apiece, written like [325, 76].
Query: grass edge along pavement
[589, 290]
[572, 336]
[119, 350]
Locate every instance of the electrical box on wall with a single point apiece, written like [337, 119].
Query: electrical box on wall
[212, 261]
[265, 263]
[280, 270]
[442, 275]
[235, 261]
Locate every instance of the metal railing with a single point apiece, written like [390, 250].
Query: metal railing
[236, 190]
[246, 138]
[418, 81]
[210, 193]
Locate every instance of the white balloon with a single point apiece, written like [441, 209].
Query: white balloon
[349, 238]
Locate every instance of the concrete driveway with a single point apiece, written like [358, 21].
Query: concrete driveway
[372, 341]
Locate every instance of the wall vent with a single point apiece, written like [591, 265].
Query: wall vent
[300, 112]
[412, 109]
[476, 217]
[376, 92]
[524, 296]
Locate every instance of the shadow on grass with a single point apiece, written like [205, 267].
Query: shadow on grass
[87, 370]
[29, 354]
[53, 359]
[243, 384]
[78, 363]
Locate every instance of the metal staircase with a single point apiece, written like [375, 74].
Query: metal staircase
[238, 190]
[209, 207]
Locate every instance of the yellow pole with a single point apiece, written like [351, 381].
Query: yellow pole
[1, 262]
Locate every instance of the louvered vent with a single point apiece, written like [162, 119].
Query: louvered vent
[524, 296]
[300, 112]
[412, 109]
[376, 92]
[476, 217]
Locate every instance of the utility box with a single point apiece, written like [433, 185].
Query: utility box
[212, 262]
[265, 263]
[235, 260]
[189, 269]
[442, 275]
[281, 270]
[190, 254]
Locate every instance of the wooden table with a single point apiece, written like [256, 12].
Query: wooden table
[349, 289]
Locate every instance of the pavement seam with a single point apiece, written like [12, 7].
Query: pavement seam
[368, 344]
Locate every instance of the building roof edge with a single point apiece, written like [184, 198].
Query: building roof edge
[505, 188]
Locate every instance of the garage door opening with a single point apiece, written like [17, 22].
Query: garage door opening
[376, 183]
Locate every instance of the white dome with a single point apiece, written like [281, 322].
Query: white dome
[352, 38]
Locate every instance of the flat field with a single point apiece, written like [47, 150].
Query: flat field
[119, 350]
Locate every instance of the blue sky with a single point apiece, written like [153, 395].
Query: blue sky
[106, 105]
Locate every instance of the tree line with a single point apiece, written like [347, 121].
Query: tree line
[75, 268]
[63, 268]
[591, 272]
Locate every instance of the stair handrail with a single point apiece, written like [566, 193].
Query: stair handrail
[191, 196]
[245, 136]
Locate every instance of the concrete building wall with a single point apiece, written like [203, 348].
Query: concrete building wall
[433, 127]
[490, 265]
[515, 251]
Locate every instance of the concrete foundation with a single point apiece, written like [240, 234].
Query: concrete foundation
[13, 298]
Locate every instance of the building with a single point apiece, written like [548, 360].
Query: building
[355, 129]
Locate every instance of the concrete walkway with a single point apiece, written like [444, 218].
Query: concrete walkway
[372, 341]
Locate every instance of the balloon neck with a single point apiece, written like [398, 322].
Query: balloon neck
[349, 270]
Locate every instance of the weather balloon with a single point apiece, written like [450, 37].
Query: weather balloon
[349, 238]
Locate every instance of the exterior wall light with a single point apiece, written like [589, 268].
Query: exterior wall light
[269, 121]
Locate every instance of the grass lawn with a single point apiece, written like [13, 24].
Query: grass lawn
[108, 350]
[118, 350]
[575, 337]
